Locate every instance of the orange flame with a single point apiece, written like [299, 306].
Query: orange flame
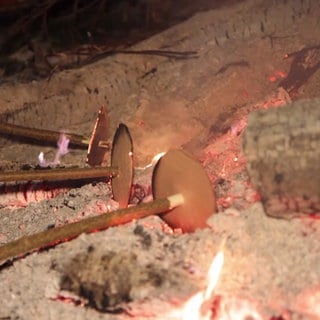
[214, 273]
[195, 307]
[201, 305]
[198, 306]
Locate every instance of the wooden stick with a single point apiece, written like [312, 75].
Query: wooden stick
[54, 236]
[42, 135]
[59, 174]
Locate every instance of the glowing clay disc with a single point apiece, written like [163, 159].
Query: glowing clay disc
[122, 159]
[178, 173]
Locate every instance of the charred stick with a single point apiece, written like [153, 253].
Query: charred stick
[67, 232]
[161, 53]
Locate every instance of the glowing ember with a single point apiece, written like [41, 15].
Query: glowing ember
[16, 196]
[198, 307]
[278, 74]
[236, 308]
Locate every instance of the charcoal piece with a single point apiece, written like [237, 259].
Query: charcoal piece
[104, 280]
[282, 147]
[108, 280]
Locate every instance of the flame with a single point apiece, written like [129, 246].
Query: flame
[201, 305]
[192, 308]
[156, 158]
[213, 275]
[198, 307]
[62, 144]
[153, 161]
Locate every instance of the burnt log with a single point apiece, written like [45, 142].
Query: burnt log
[282, 148]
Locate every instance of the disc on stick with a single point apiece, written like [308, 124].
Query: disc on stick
[178, 173]
[122, 159]
[97, 145]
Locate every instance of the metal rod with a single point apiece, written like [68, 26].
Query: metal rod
[42, 135]
[59, 174]
[54, 236]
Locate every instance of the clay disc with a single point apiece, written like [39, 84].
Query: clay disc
[96, 151]
[178, 172]
[122, 158]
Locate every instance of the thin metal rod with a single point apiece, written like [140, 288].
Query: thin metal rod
[42, 135]
[59, 174]
[54, 236]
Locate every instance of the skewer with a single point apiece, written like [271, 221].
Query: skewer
[121, 169]
[42, 135]
[179, 209]
[61, 174]
[97, 144]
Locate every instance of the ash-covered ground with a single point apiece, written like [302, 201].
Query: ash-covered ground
[142, 269]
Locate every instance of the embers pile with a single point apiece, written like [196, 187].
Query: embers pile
[258, 280]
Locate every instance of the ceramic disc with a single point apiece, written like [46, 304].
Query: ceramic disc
[122, 158]
[98, 146]
[177, 172]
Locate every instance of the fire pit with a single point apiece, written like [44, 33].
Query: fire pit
[245, 264]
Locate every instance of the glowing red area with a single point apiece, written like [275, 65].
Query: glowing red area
[277, 75]
[272, 78]
[225, 163]
[224, 160]
[234, 308]
[281, 74]
[17, 196]
[70, 300]
[308, 302]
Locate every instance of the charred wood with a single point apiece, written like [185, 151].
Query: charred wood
[282, 147]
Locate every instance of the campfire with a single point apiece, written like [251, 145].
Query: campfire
[203, 204]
